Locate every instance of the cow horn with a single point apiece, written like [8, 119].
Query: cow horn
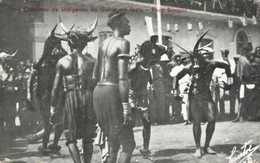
[63, 26]
[93, 27]
[53, 30]
[195, 49]
[72, 27]
[12, 55]
[198, 42]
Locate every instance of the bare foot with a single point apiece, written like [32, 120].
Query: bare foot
[198, 153]
[208, 150]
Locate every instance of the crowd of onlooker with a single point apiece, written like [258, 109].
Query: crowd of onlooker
[14, 117]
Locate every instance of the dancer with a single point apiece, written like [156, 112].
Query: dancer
[73, 76]
[201, 103]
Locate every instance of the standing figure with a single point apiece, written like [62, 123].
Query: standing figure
[139, 77]
[43, 74]
[167, 82]
[21, 86]
[111, 95]
[183, 60]
[159, 87]
[74, 78]
[246, 91]
[254, 105]
[201, 103]
[222, 77]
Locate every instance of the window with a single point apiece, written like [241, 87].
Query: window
[241, 40]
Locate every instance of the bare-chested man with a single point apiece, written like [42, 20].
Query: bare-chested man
[112, 91]
[74, 76]
[202, 106]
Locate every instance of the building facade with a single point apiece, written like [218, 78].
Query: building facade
[28, 23]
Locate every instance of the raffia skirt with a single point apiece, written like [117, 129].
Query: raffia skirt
[108, 109]
[79, 119]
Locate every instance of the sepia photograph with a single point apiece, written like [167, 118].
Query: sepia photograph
[130, 81]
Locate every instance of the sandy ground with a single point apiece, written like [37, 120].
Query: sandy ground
[169, 144]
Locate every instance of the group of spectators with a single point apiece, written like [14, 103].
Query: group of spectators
[14, 118]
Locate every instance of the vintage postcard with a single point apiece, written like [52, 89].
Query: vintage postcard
[140, 81]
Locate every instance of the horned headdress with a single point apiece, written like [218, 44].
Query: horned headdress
[76, 36]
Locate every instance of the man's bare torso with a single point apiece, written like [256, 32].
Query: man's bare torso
[108, 65]
[78, 65]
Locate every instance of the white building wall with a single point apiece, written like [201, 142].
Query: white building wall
[220, 33]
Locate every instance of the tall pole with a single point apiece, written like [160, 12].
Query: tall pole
[159, 21]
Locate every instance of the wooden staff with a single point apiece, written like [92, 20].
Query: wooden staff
[159, 21]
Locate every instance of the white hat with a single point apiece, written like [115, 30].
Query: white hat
[164, 57]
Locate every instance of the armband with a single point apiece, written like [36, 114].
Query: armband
[124, 56]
